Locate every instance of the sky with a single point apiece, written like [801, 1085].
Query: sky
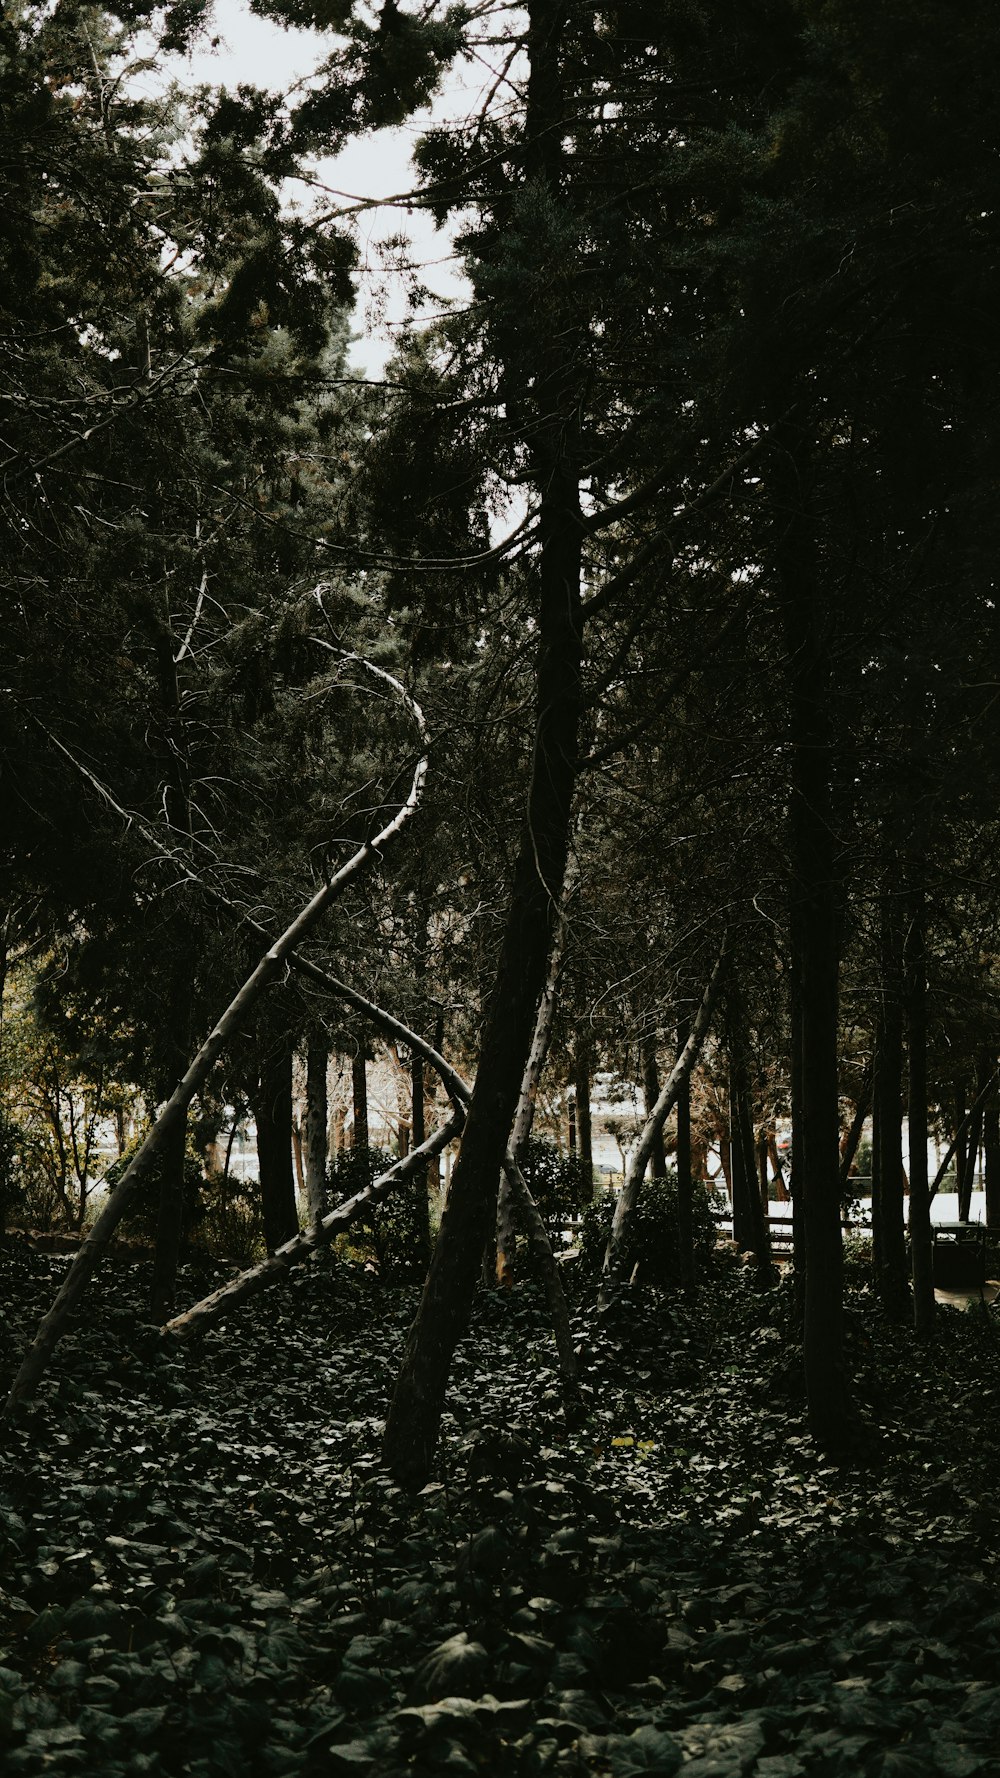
[265, 54]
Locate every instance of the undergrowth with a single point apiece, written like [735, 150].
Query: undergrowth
[206, 1571]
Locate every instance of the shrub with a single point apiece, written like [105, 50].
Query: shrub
[556, 1181]
[654, 1241]
[393, 1234]
[231, 1225]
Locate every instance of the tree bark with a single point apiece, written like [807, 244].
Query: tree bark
[271, 1104]
[657, 1164]
[852, 1135]
[816, 945]
[750, 1229]
[584, 1127]
[525, 1115]
[269, 970]
[169, 1222]
[921, 1248]
[991, 1155]
[685, 1183]
[359, 1090]
[317, 1110]
[681, 1071]
[887, 1205]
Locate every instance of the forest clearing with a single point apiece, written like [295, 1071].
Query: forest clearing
[498, 690]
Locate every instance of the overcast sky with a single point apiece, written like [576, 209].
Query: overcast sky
[255, 50]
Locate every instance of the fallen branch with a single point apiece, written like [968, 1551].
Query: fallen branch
[278, 1264]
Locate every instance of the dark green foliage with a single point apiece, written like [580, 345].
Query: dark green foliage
[206, 1572]
[229, 1224]
[654, 1243]
[556, 1182]
[392, 1237]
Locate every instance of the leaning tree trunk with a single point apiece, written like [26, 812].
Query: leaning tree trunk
[816, 940]
[269, 970]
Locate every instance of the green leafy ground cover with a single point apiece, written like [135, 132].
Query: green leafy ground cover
[205, 1571]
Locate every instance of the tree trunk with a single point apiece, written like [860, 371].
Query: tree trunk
[584, 1127]
[169, 1222]
[888, 1209]
[815, 939]
[685, 1183]
[272, 1110]
[921, 1248]
[991, 1155]
[750, 1229]
[796, 1182]
[317, 1110]
[269, 970]
[525, 1115]
[852, 1135]
[657, 1166]
[681, 1071]
[418, 1131]
[777, 1170]
[359, 1090]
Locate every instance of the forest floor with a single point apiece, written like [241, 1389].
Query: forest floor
[205, 1571]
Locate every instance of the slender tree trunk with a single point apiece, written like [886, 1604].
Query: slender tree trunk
[419, 1135]
[750, 1229]
[963, 1122]
[991, 1154]
[585, 1140]
[524, 1116]
[359, 1089]
[853, 1133]
[317, 1111]
[629, 1196]
[272, 1109]
[921, 1249]
[777, 1170]
[169, 1223]
[815, 937]
[796, 1181]
[657, 1166]
[888, 1208]
[685, 1184]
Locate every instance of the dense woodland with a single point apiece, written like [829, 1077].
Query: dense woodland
[605, 690]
